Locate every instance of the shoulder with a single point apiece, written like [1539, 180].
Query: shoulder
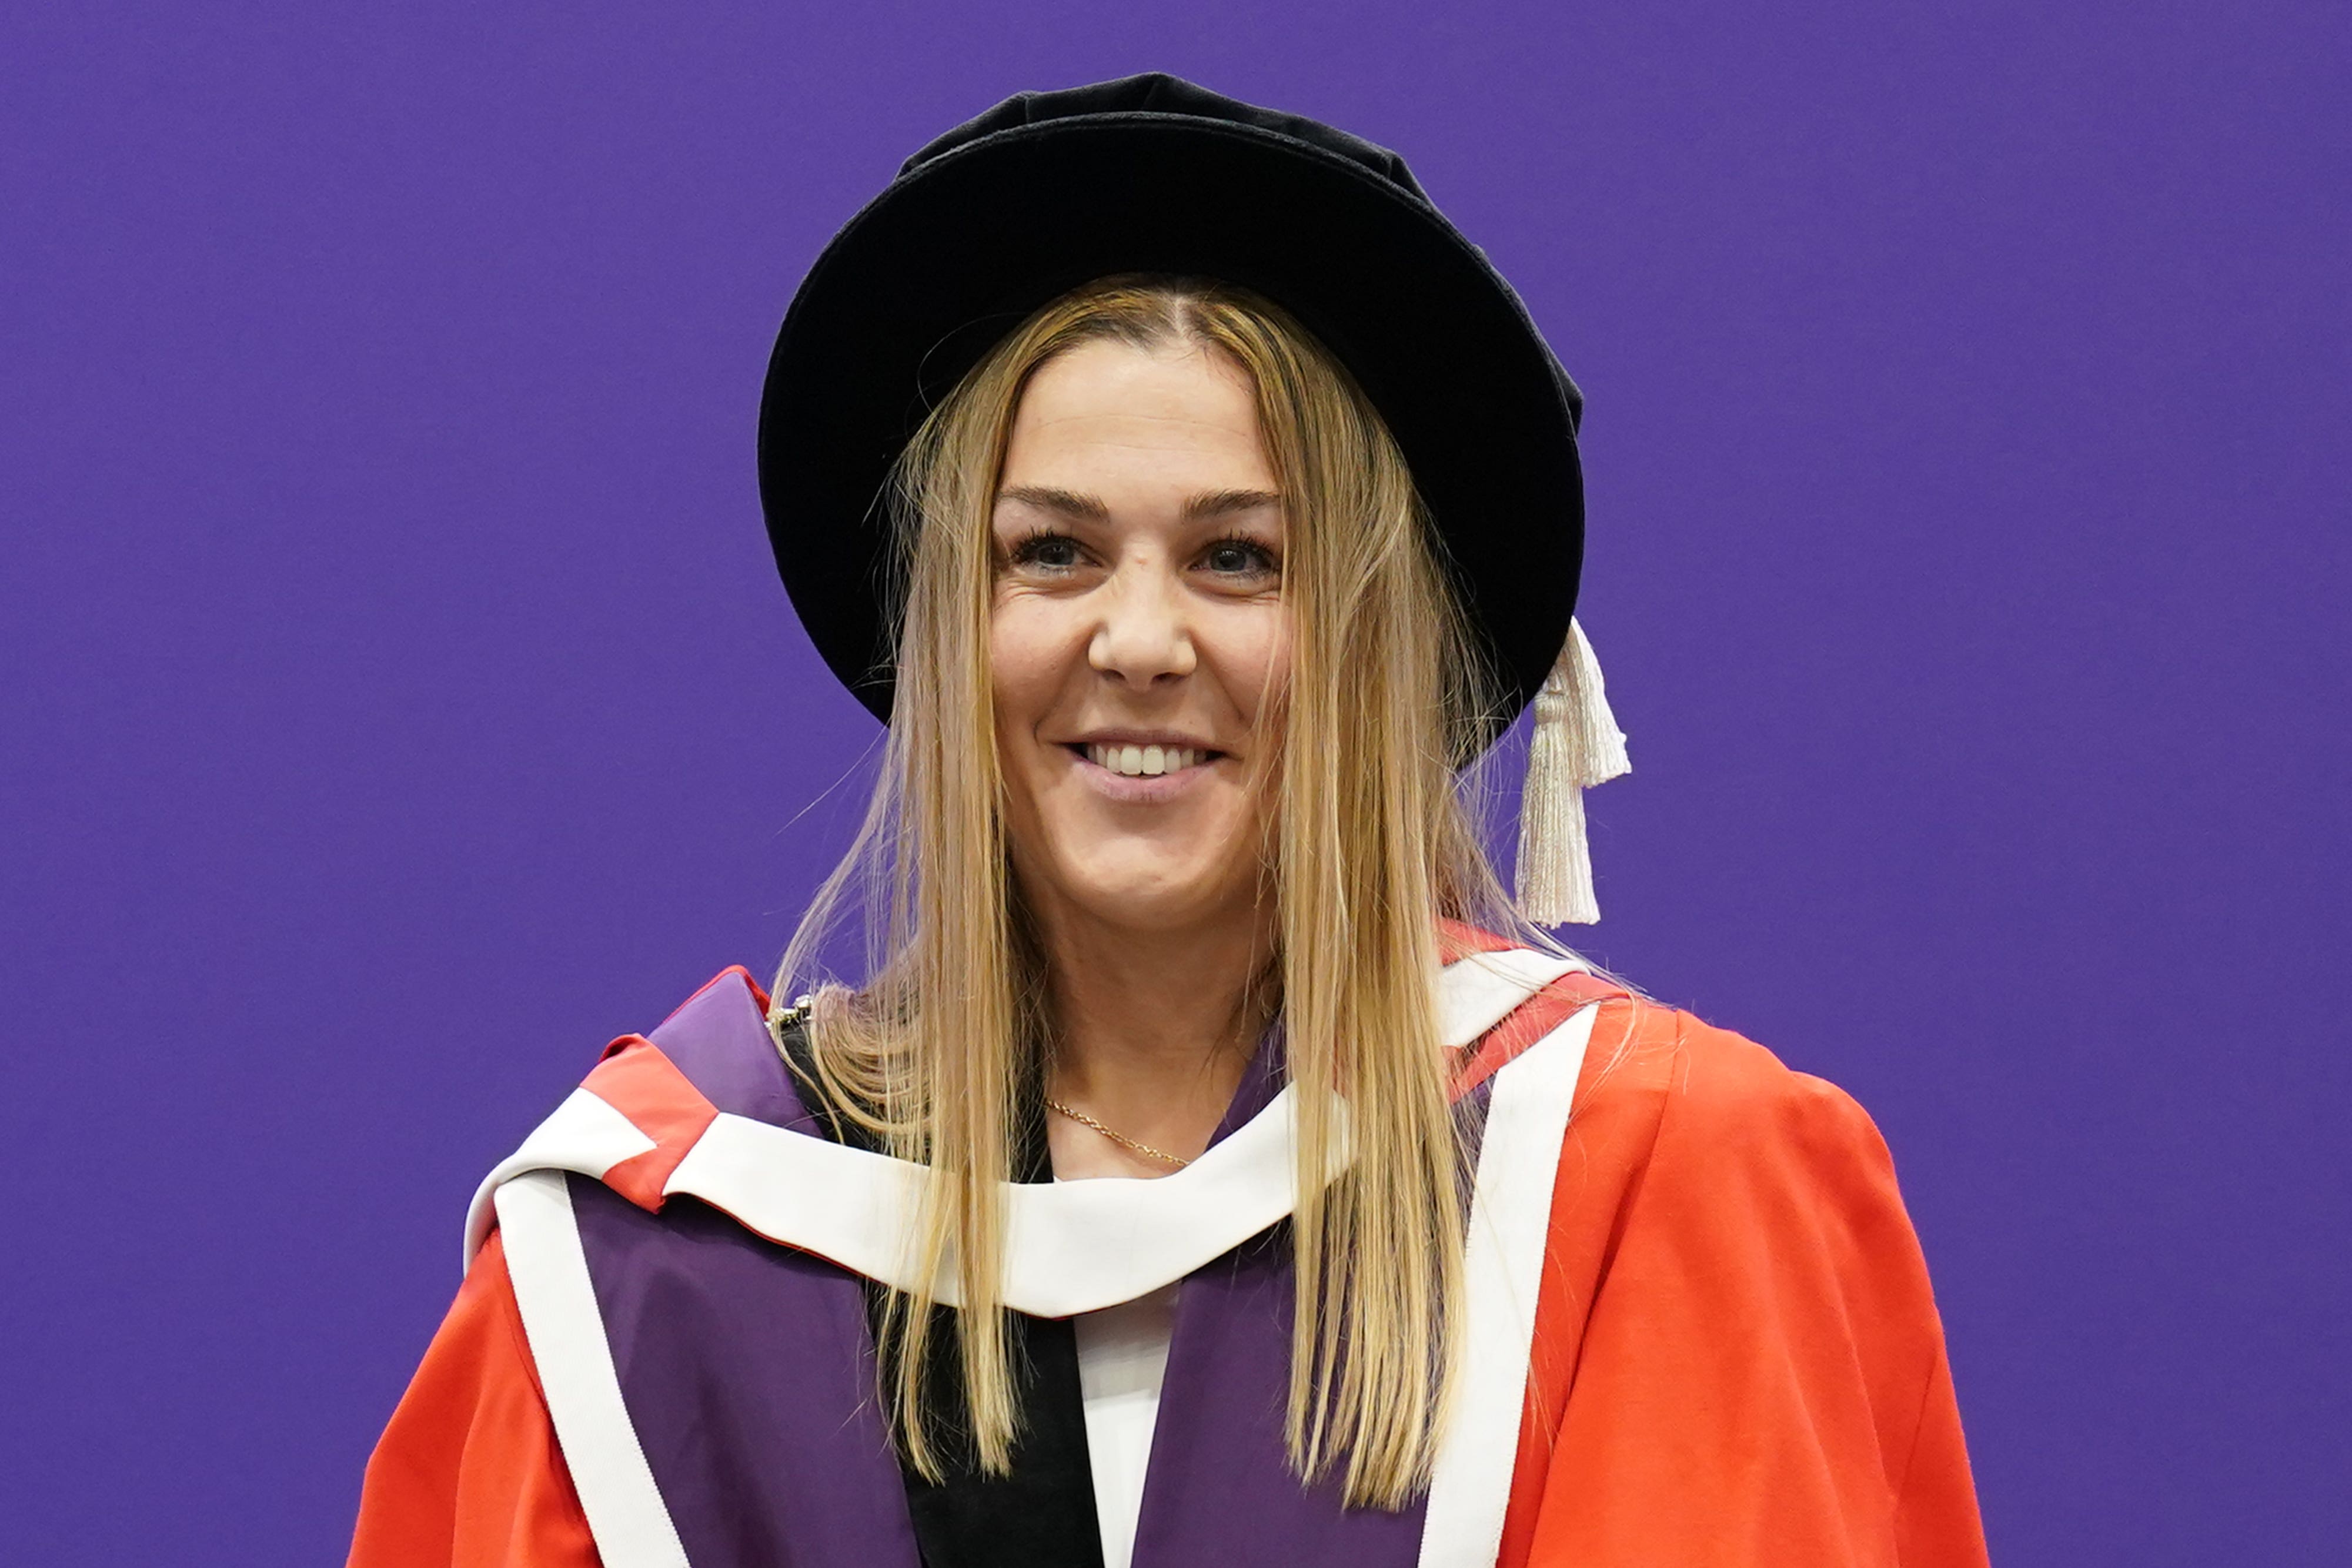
[1709, 1080]
[650, 1097]
[1686, 1102]
[1657, 1079]
[719, 1042]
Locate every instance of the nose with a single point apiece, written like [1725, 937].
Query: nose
[1143, 637]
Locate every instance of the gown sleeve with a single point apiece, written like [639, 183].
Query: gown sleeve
[468, 1475]
[1760, 1378]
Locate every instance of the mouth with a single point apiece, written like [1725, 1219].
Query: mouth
[1142, 760]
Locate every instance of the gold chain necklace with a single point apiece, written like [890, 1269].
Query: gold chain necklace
[1122, 1139]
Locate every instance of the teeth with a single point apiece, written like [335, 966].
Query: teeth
[1144, 761]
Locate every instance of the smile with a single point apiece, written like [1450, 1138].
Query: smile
[1145, 761]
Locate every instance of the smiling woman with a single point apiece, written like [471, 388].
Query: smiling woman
[1212, 1162]
[1160, 516]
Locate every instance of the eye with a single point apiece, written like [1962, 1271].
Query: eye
[1046, 552]
[1240, 558]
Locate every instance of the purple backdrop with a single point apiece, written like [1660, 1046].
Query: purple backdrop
[396, 700]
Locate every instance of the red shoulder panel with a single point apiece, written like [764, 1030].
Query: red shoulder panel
[636, 1080]
[1527, 1023]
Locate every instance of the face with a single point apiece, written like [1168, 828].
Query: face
[1139, 641]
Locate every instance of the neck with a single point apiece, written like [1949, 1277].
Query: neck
[1153, 1031]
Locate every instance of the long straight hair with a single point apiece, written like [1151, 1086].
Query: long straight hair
[942, 1048]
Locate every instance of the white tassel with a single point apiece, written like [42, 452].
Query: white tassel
[1576, 745]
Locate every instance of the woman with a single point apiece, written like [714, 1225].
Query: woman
[1214, 1164]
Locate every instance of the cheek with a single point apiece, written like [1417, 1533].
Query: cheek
[1028, 658]
[1253, 649]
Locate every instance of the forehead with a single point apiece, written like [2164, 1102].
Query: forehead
[1109, 411]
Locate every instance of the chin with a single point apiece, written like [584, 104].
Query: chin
[1160, 900]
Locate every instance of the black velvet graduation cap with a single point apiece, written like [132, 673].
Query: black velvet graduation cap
[1151, 173]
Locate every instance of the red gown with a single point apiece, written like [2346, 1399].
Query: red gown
[1737, 1359]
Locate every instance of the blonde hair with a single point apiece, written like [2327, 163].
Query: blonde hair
[1371, 843]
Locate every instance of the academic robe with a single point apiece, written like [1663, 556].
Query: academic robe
[661, 1351]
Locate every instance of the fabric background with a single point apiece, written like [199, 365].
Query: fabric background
[396, 700]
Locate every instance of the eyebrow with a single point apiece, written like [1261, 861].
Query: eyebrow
[1069, 503]
[1073, 504]
[1218, 503]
